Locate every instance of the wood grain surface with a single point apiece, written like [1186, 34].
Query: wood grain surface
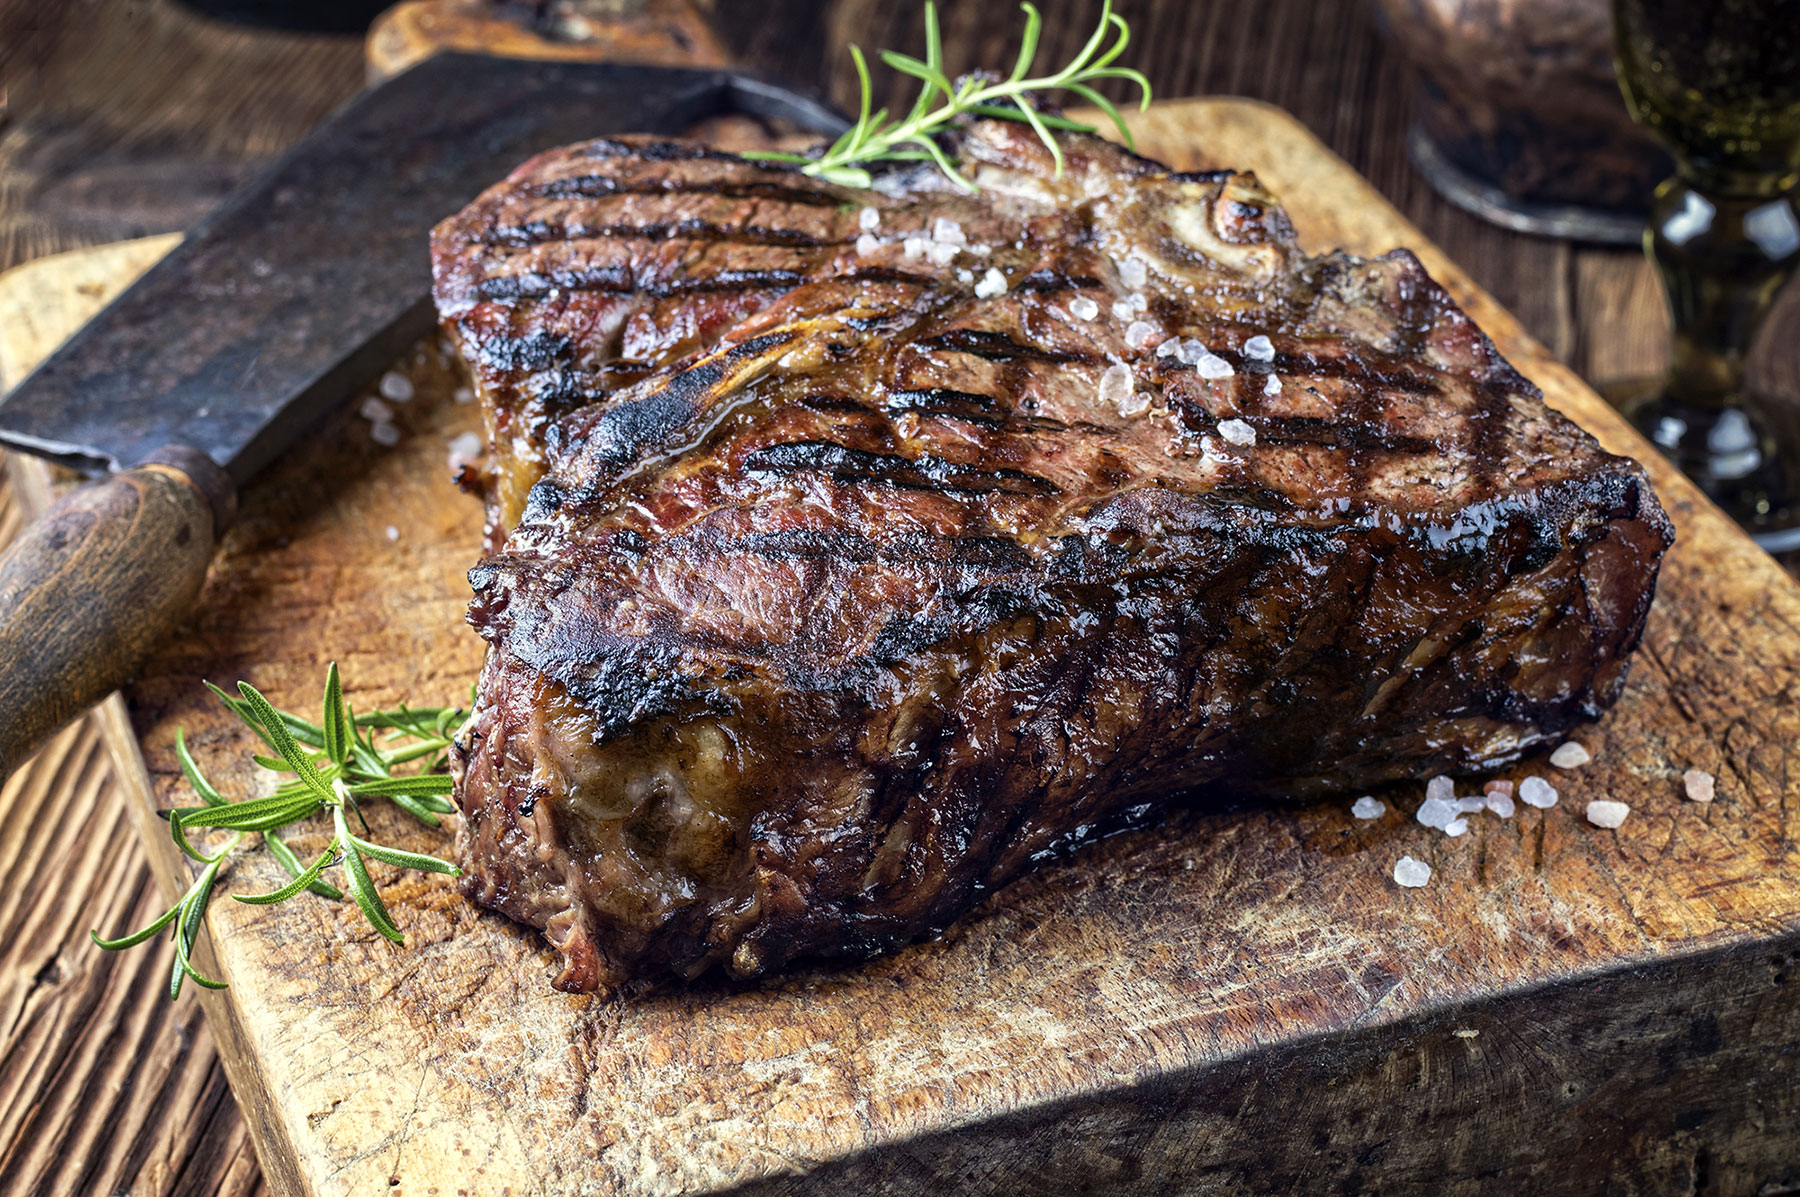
[1619, 998]
[116, 120]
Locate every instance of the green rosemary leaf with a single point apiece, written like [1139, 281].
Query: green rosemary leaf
[195, 778]
[424, 783]
[361, 887]
[1030, 117]
[1112, 113]
[406, 860]
[333, 723]
[334, 764]
[279, 849]
[1029, 43]
[1050, 119]
[137, 937]
[283, 740]
[257, 814]
[413, 807]
[875, 138]
[306, 879]
[187, 929]
[178, 833]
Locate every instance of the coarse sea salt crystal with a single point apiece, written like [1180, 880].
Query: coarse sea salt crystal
[1213, 366]
[941, 253]
[1137, 301]
[1140, 333]
[1122, 309]
[1437, 812]
[1132, 272]
[1535, 791]
[1237, 432]
[375, 411]
[396, 386]
[1411, 873]
[393, 533]
[1602, 813]
[1570, 756]
[1189, 352]
[1474, 805]
[912, 247]
[1260, 348]
[1168, 347]
[965, 276]
[867, 245]
[1273, 386]
[385, 433]
[1500, 804]
[1441, 788]
[992, 283]
[1135, 405]
[1083, 308]
[464, 449]
[947, 232]
[1456, 827]
[1698, 785]
[869, 219]
[1368, 808]
[1115, 384]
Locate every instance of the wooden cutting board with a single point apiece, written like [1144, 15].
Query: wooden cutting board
[1223, 1003]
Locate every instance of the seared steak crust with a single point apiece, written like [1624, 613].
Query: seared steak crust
[830, 589]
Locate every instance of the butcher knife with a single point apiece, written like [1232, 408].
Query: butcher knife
[294, 293]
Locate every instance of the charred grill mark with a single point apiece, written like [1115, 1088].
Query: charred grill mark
[1354, 363]
[885, 274]
[659, 151]
[622, 435]
[998, 347]
[941, 401]
[597, 186]
[1047, 281]
[1357, 435]
[925, 473]
[815, 544]
[537, 350]
[539, 232]
[620, 280]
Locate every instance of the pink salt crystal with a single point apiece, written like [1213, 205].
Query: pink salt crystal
[1498, 786]
[1698, 784]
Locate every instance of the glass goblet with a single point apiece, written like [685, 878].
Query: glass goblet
[1718, 83]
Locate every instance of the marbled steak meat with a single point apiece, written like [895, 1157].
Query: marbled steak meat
[832, 585]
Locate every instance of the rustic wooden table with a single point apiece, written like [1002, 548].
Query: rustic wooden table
[137, 118]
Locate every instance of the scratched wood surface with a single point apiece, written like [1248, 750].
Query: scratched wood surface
[1229, 1001]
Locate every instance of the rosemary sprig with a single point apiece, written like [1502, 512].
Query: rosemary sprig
[912, 138]
[335, 764]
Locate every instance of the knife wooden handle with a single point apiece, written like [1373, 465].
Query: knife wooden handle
[662, 32]
[97, 582]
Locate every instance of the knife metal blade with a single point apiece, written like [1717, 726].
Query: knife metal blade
[315, 276]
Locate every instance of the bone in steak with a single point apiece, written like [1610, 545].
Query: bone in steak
[829, 589]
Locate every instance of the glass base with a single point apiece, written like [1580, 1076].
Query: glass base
[1733, 454]
[1571, 222]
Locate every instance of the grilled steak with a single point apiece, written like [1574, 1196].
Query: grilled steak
[852, 551]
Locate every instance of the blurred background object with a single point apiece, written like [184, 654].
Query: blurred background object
[1517, 116]
[1719, 84]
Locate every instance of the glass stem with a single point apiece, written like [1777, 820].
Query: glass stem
[1722, 258]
